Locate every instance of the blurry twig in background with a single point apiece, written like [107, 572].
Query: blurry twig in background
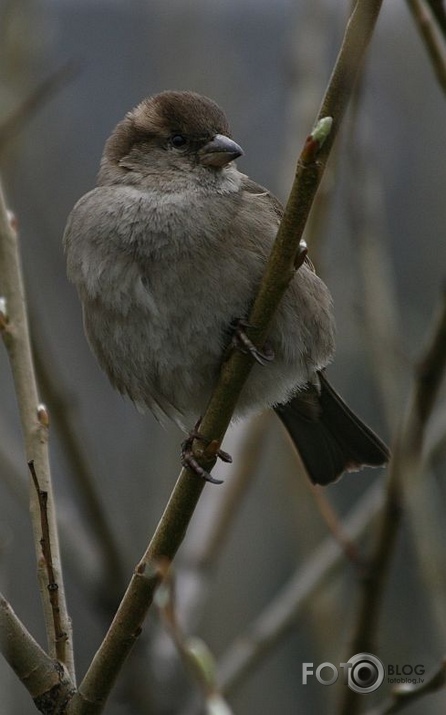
[337, 529]
[11, 126]
[380, 318]
[306, 71]
[404, 475]
[282, 613]
[193, 651]
[439, 12]
[14, 329]
[423, 498]
[407, 694]
[428, 31]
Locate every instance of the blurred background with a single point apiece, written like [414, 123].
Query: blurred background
[377, 238]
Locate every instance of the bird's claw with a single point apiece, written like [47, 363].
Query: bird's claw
[242, 342]
[189, 460]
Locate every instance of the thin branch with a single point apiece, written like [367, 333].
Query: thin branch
[283, 262]
[274, 622]
[336, 528]
[52, 585]
[15, 333]
[428, 31]
[404, 472]
[45, 679]
[210, 531]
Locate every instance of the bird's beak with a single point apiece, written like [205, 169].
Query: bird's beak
[219, 151]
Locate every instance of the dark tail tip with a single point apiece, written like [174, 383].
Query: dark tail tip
[328, 435]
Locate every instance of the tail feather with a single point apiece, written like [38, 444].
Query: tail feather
[329, 437]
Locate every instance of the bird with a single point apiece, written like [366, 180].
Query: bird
[167, 253]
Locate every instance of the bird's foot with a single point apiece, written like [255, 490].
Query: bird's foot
[188, 458]
[241, 341]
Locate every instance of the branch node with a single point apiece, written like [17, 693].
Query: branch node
[322, 130]
[43, 415]
[301, 254]
[315, 140]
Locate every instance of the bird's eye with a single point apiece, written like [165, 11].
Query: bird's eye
[178, 141]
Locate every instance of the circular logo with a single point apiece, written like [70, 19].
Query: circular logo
[366, 673]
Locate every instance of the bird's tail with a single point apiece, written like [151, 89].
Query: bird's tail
[329, 437]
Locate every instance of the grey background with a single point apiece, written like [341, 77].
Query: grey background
[267, 65]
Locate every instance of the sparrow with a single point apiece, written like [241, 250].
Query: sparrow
[167, 253]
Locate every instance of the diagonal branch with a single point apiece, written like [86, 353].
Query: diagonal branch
[280, 269]
[52, 585]
[283, 262]
[434, 47]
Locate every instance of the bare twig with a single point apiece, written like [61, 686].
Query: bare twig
[52, 585]
[404, 472]
[193, 651]
[15, 333]
[434, 47]
[336, 527]
[439, 12]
